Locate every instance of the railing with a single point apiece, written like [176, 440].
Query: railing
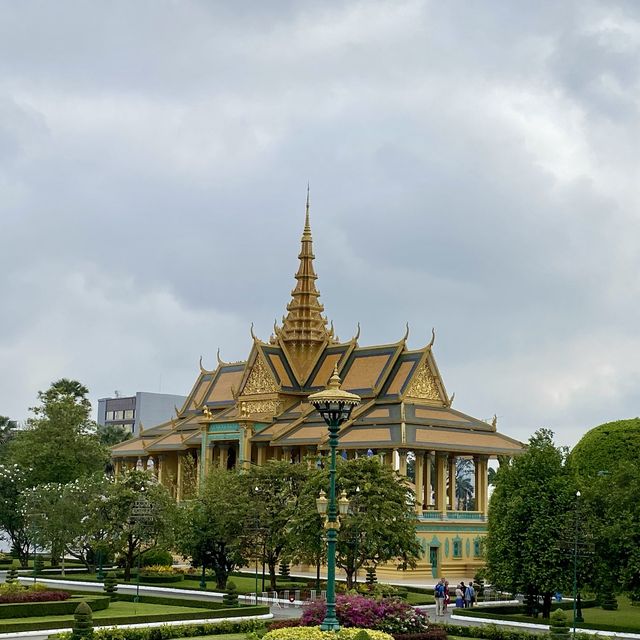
[453, 515]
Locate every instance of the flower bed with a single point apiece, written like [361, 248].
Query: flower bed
[34, 596]
[314, 633]
[391, 615]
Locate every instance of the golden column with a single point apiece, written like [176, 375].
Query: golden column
[427, 479]
[402, 462]
[452, 482]
[441, 481]
[419, 481]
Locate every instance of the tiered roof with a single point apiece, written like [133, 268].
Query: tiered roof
[404, 401]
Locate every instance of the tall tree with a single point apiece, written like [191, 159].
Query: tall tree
[380, 525]
[274, 489]
[60, 442]
[531, 513]
[140, 515]
[111, 434]
[212, 528]
[8, 429]
[13, 518]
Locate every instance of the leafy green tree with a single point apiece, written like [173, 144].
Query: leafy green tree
[273, 490]
[612, 530]
[13, 518]
[379, 528]
[212, 527]
[59, 443]
[110, 435]
[71, 517]
[531, 512]
[8, 429]
[606, 467]
[138, 514]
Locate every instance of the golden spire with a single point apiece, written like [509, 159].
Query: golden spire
[304, 330]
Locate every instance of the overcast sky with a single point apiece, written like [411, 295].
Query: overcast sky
[474, 166]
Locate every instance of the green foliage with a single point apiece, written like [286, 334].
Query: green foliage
[212, 528]
[609, 601]
[12, 574]
[177, 631]
[273, 492]
[531, 512]
[604, 448]
[371, 576]
[362, 635]
[110, 585]
[230, 597]
[136, 514]
[60, 442]
[285, 571]
[38, 565]
[157, 556]
[83, 622]
[8, 429]
[52, 608]
[13, 520]
[111, 434]
[558, 625]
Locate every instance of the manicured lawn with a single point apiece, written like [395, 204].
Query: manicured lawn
[626, 616]
[115, 610]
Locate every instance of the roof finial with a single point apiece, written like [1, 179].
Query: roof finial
[307, 224]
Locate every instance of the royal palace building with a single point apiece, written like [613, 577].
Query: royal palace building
[249, 412]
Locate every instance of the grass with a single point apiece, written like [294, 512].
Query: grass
[626, 617]
[115, 610]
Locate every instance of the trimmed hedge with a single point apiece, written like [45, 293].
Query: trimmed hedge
[170, 602]
[14, 627]
[50, 608]
[433, 633]
[178, 631]
[517, 609]
[159, 578]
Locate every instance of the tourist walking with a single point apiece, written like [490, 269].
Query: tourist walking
[447, 596]
[438, 592]
[469, 595]
[460, 596]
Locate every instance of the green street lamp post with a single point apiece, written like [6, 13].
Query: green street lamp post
[575, 565]
[335, 406]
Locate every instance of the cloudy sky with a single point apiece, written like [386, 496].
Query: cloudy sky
[474, 166]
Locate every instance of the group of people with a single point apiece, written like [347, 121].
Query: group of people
[465, 596]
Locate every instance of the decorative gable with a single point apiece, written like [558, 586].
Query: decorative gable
[424, 384]
[260, 379]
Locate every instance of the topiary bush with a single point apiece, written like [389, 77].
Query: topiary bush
[372, 578]
[230, 598]
[12, 574]
[38, 565]
[110, 585]
[558, 625]
[83, 622]
[285, 570]
[609, 601]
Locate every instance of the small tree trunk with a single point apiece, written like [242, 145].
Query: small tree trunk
[272, 574]
[546, 604]
[318, 575]
[221, 578]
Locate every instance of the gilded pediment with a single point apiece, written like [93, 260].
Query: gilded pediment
[260, 379]
[424, 384]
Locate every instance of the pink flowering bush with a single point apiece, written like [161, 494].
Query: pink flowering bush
[391, 615]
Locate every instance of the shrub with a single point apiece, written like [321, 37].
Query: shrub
[388, 614]
[432, 633]
[283, 624]
[27, 595]
[372, 578]
[558, 625]
[285, 571]
[609, 601]
[178, 631]
[156, 557]
[12, 575]
[38, 564]
[83, 622]
[230, 598]
[110, 585]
